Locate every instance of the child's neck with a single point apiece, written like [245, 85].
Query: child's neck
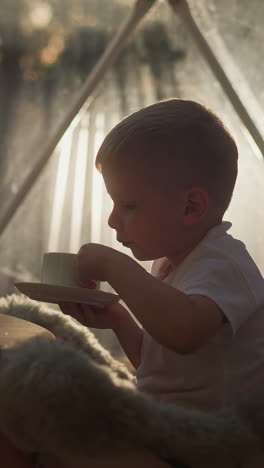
[190, 243]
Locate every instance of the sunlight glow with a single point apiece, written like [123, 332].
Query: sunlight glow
[97, 185]
[40, 15]
[79, 190]
[49, 54]
[253, 145]
[64, 149]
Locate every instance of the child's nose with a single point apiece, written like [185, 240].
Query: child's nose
[114, 220]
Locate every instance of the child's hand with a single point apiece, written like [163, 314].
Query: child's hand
[93, 262]
[106, 318]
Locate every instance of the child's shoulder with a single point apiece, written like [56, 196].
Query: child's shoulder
[220, 247]
[221, 269]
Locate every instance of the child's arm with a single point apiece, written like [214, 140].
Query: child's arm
[130, 336]
[114, 317]
[180, 322]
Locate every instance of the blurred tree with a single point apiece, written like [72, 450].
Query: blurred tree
[48, 48]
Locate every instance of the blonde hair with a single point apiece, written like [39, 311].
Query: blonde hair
[182, 138]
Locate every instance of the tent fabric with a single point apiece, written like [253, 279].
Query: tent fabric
[48, 49]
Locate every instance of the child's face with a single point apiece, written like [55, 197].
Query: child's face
[146, 218]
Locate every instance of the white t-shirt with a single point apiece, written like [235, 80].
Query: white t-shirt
[231, 364]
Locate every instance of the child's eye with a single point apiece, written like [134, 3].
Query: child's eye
[128, 206]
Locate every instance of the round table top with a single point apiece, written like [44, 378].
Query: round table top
[14, 329]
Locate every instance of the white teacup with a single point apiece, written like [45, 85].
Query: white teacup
[60, 268]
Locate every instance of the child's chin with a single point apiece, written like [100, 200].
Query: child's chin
[141, 256]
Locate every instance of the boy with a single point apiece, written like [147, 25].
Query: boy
[170, 170]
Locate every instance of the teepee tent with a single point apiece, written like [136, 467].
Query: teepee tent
[71, 70]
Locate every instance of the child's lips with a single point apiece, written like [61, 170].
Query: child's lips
[127, 243]
[124, 242]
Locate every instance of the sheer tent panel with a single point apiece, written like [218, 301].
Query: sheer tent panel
[53, 49]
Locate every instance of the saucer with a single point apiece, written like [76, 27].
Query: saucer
[55, 293]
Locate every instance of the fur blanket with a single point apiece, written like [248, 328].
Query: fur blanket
[69, 398]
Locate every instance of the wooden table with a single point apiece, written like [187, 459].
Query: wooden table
[12, 331]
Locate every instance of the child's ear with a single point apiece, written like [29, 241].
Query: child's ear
[196, 205]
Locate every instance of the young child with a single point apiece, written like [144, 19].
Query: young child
[170, 170]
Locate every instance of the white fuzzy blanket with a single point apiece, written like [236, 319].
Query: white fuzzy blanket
[69, 398]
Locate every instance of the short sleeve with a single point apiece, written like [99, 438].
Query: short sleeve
[222, 281]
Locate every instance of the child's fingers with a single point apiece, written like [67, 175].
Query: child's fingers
[69, 308]
[81, 312]
[72, 309]
[87, 315]
[89, 284]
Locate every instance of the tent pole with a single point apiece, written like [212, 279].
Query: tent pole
[140, 8]
[182, 8]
